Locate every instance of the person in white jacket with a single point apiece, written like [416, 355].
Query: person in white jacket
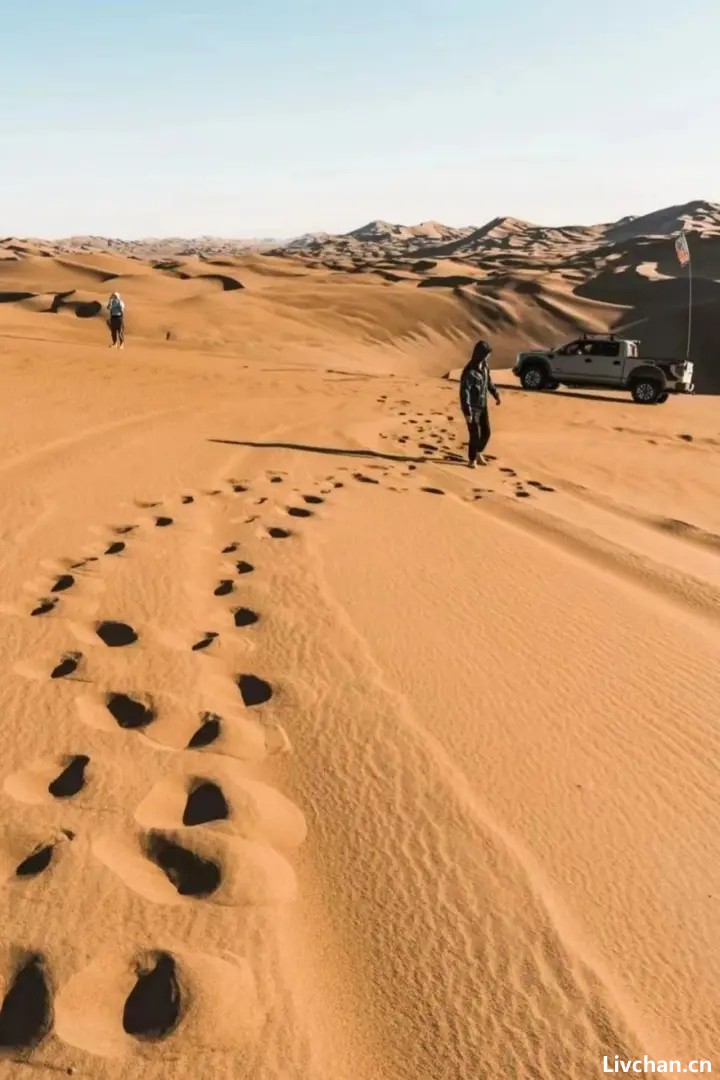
[116, 311]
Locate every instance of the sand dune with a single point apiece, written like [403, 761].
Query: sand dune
[521, 284]
[324, 758]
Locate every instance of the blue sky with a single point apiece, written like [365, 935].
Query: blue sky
[252, 118]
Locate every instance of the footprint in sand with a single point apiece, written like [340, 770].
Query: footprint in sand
[44, 606]
[42, 781]
[198, 865]
[190, 873]
[67, 666]
[230, 548]
[254, 690]
[128, 712]
[539, 485]
[361, 478]
[140, 1000]
[115, 548]
[152, 1008]
[278, 534]
[187, 499]
[313, 500]
[72, 779]
[433, 491]
[206, 641]
[41, 856]
[83, 563]
[243, 567]
[245, 617]
[115, 634]
[63, 583]
[207, 733]
[123, 530]
[299, 512]
[26, 1012]
[205, 802]
[163, 522]
[224, 588]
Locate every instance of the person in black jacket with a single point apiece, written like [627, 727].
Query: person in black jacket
[475, 385]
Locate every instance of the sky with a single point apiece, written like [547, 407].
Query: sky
[272, 118]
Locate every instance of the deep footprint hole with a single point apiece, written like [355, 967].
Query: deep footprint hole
[36, 862]
[207, 733]
[163, 522]
[279, 534]
[245, 617]
[244, 567]
[44, 606]
[189, 872]
[299, 512]
[26, 1013]
[205, 802]
[152, 1008]
[115, 634]
[205, 642]
[224, 588]
[128, 712]
[253, 690]
[65, 581]
[67, 666]
[72, 779]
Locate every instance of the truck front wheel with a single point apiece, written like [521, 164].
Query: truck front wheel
[534, 377]
[646, 391]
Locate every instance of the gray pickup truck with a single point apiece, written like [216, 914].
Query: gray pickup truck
[604, 361]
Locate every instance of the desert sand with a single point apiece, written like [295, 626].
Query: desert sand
[323, 757]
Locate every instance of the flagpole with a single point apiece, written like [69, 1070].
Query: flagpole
[690, 284]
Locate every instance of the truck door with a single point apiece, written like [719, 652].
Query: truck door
[604, 363]
[570, 360]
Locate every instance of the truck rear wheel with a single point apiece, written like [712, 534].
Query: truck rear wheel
[534, 377]
[662, 399]
[646, 391]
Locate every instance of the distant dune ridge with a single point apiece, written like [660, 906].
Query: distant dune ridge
[514, 282]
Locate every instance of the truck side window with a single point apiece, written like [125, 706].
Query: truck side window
[605, 348]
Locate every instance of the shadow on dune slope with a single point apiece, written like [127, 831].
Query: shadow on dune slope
[657, 314]
[84, 309]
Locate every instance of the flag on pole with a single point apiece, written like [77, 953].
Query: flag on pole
[681, 249]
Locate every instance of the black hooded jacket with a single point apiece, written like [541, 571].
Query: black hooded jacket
[475, 384]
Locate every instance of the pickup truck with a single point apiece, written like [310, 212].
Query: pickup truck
[604, 361]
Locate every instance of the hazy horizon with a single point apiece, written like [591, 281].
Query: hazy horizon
[307, 232]
[157, 120]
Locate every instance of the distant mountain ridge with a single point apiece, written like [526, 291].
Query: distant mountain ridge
[383, 239]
